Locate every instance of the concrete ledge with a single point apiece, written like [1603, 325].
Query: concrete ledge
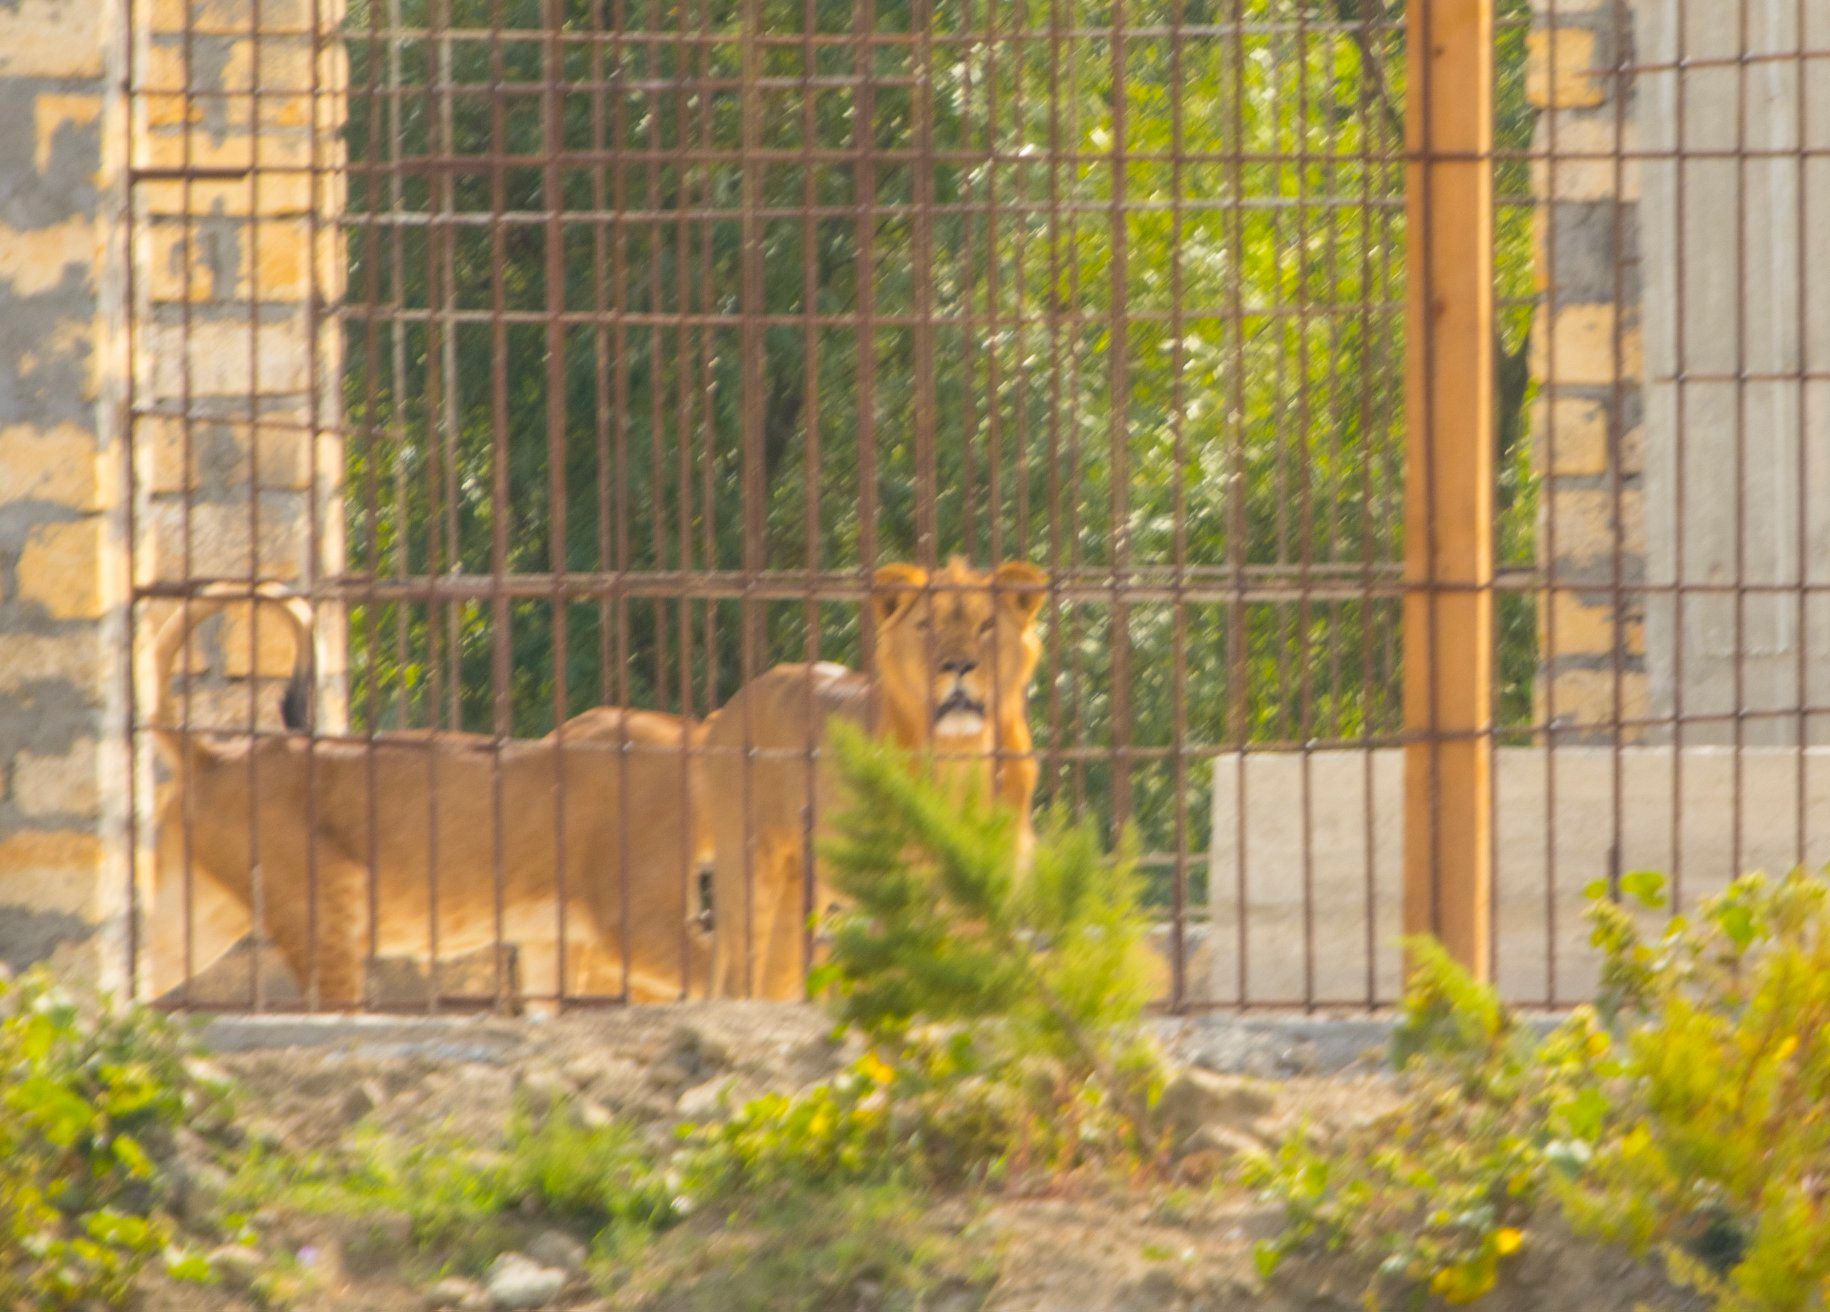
[1321, 902]
[484, 1040]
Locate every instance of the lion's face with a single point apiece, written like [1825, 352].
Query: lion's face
[956, 648]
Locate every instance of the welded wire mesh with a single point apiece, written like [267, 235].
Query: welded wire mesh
[656, 327]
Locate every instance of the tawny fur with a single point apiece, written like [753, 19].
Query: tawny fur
[957, 632]
[597, 815]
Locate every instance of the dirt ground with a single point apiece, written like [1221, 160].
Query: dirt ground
[1067, 1252]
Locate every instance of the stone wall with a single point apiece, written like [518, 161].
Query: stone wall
[1685, 188]
[238, 375]
[63, 671]
[168, 238]
[1587, 417]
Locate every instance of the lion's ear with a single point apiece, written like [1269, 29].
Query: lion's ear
[1021, 586]
[894, 588]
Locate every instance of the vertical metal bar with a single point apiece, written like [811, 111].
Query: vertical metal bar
[1238, 617]
[624, 297]
[1178, 365]
[993, 329]
[1553, 584]
[440, 554]
[657, 391]
[1306, 728]
[976, 343]
[1617, 597]
[1023, 324]
[1277, 617]
[602, 315]
[708, 499]
[810, 418]
[1739, 718]
[1802, 326]
[126, 425]
[500, 723]
[864, 126]
[1449, 538]
[187, 527]
[687, 368]
[621, 403]
[751, 399]
[314, 400]
[1058, 638]
[1369, 681]
[450, 397]
[1679, 490]
[442, 293]
[1118, 436]
[1069, 507]
[553, 188]
[927, 532]
[312, 983]
[397, 344]
[371, 437]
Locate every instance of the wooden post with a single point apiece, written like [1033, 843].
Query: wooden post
[1448, 549]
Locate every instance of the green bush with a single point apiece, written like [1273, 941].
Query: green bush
[1436, 1194]
[1720, 1141]
[1684, 1115]
[91, 1095]
[1008, 998]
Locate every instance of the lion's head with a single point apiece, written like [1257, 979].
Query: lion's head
[957, 649]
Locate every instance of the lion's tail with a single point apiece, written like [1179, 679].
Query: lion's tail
[295, 707]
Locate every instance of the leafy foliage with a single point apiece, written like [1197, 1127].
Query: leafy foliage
[464, 1197]
[1684, 1115]
[91, 1093]
[1721, 1141]
[805, 1250]
[1437, 1194]
[835, 1131]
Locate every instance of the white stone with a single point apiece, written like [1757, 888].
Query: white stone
[559, 1251]
[517, 1281]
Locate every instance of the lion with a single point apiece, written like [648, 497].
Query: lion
[955, 655]
[421, 811]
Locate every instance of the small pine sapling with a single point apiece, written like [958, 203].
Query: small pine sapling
[942, 928]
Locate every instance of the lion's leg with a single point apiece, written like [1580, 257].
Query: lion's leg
[187, 922]
[779, 973]
[537, 963]
[738, 893]
[593, 969]
[326, 952]
[729, 925]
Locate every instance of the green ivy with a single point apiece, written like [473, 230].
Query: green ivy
[91, 1095]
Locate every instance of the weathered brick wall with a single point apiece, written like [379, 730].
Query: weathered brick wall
[62, 587]
[238, 457]
[240, 133]
[209, 261]
[1587, 418]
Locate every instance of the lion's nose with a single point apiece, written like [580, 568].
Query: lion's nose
[958, 665]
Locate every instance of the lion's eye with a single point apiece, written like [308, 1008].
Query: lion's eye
[986, 628]
[924, 623]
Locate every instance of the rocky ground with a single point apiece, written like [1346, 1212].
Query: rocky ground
[1074, 1249]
